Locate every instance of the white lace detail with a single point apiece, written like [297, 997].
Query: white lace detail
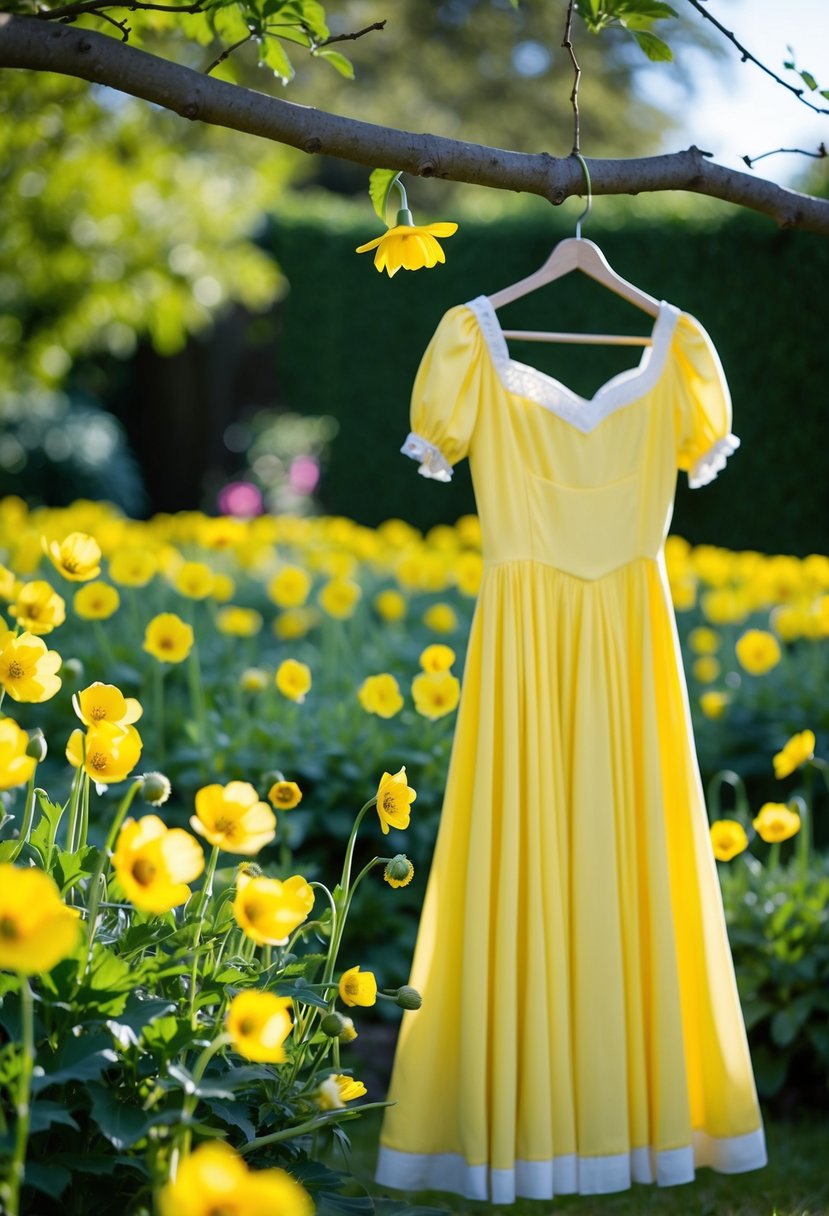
[582, 413]
[433, 463]
[712, 462]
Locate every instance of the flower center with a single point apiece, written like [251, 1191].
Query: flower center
[8, 929]
[252, 910]
[97, 712]
[389, 802]
[33, 611]
[143, 871]
[69, 563]
[16, 670]
[98, 761]
[165, 643]
[226, 826]
[247, 1027]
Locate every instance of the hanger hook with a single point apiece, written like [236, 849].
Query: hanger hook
[586, 211]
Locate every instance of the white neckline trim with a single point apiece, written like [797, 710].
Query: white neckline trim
[583, 413]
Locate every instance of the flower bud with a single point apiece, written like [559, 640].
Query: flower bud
[247, 870]
[348, 1034]
[36, 747]
[399, 872]
[409, 998]
[333, 1024]
[155, 789]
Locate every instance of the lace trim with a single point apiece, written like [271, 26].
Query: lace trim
[433, 463]
[712, 462]
[584, 414]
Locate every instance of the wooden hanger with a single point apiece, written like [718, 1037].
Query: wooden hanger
[576, 253]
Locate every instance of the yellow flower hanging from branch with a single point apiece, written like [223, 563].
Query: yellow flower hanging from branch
[406, 245]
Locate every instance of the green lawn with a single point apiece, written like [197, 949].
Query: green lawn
[795, 1183]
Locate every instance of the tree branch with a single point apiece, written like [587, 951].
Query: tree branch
[747, 55]
[68, 12]
[369, 29]
[28, 43]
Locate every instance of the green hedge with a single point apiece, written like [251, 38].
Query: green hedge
[351, 340]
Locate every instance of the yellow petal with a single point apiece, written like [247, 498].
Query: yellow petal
[441, 229]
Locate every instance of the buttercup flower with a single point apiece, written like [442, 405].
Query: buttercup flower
[285, 795]
[408, 246]
[293, 680]
[77, 558]
[441, 618]
[38, 608]
[390, 605]
[253, 679]
[728, 838]
[9, 584]
[239, 622]
[713, 704]
[776, 821]
[154, 863]
[232, 817]
[758, 651]
[27, 668]
[106, 703]
[215, 1181]
[132, 567]
[224, 588]
[156, 789]
[37, 929]
[706, 668]
[258, 1024]
[797, 751]
[469, 570]
[194, 580]
[435, 693]
[358, 987]
[108, 753]
[703, 640]
[294, 623]
[269, 910]
[16, 766]
[338, 1089]
[394, 799]
[96, 601]
[399, 872]
[339, 598]
[437, 657]
[380, 695]
[289, 587]
[168, 638]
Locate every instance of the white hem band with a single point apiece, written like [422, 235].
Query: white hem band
[433, 463]
[712, 462]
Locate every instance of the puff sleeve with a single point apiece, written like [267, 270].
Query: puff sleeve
[445, 395]
[702, 405]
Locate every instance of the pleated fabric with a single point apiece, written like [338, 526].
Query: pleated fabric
[580, 1027]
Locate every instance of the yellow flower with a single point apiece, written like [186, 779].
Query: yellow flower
[775, 821]
[797, 751]
[399, 871]
[339, 598]
[232, 817]
[725, 606]
[106, 703]
[683, 591]
[336, 1090]
[289, 587]
[408, 246]
[294, 623]
[703, 640]
[38, 608]
[37, 930]
[358, 987]
[253, 679]
[269, 910]
[441, 618]
[469, 570]
[791, 622]
[728, 838]
[713, 704]
[154, 863]
[168, 639]
[224, 588]
[394, 799]
[239, 622]
[293, 679]
[108, 752]
[77, 557]
[16, 767]
[758, 651]
[133, 567]
[390, 605]
[437, 657]
[9, 584]
[435, 693]
[27, 668]
[194, 580]
[258, 1024]
[215, 1181]
[706, 668]
[285, 795]
[380, 695]
[96, 601]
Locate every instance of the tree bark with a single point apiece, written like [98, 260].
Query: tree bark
[37, 45]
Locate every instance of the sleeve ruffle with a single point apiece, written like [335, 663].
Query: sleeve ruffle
[712, 462]
[433, 463]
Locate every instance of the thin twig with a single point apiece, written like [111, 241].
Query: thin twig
[747, 55]
[227, 51]
[125, 29]
[819, 155]
[574, 96]
[68, 12]
[377, 25]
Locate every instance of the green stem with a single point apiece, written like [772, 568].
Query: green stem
[805, 836]
[197, 696]
[158, 709]
[103, 643]
[28, 816]
[191, 1100]
[773, 859]
[311, 1125]
[204, 895]
[343, 900]
[83, 825]
[18, 1164]
[103, 862]
[74, 800]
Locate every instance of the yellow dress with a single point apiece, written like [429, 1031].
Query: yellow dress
[580, 1027]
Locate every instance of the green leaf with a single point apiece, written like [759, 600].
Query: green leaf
[809, 80]
[825, 93]
[770, 1068]
[236, 1114]
[655, 49]
[380, 185]
[51, 1180]
[330, 1204]
[45, 1112]
[7, 849]
[68, 867]
[77, 1059]
[339, 62]
[271, 53]
[124, 1125]
[787, 1023]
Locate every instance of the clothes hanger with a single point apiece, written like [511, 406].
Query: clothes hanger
[577, 253]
